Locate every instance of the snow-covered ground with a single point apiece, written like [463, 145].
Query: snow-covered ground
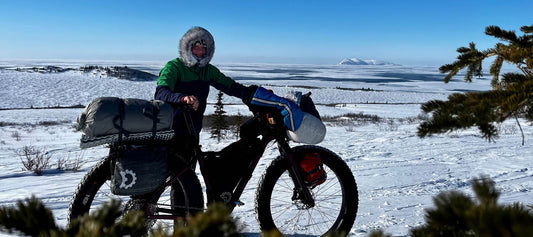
[397, 172]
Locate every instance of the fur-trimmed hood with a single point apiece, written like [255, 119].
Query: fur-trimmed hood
[186, 43]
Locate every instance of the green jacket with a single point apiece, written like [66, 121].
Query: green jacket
[175, 71]
[177, 81]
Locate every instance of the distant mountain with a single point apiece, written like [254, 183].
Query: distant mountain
[119, 72]
[356, 61]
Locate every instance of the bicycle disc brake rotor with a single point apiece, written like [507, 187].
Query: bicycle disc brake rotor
[298, 200]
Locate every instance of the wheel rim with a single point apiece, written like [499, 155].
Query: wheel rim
[104, 195]
[292, 216]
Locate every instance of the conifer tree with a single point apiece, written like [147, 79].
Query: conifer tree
[219, 123]
[511, 94]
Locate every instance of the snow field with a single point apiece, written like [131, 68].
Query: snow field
[397, 172]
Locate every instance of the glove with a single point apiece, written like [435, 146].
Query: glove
[292, 114]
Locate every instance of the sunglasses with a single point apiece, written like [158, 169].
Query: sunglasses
[199, 43]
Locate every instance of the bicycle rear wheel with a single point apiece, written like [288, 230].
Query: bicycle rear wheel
[183, 197]
[336, 200]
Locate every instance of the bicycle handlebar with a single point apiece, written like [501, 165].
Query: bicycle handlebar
[266, 120]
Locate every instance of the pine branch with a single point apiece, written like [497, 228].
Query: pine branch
[504, 35]
[462, 111]
[527, 29]
[495, 69]
[469, 57]
[457, 214]
[30, 217]
[511, 94]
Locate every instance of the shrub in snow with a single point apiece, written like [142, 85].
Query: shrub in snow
[34, 159]
[16, 135]
[67, 163]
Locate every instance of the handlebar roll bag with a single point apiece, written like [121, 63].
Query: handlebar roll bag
[311, 131]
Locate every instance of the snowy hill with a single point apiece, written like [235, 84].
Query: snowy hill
[356, 61]
[119, 72]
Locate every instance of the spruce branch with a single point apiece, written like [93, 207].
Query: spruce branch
[511, 92]
[30, 217]
[504, 35]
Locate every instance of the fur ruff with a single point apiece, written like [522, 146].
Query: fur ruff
[193, 35]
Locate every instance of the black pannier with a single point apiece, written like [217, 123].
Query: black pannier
[138, 170]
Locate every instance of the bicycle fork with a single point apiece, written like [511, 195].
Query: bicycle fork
[301, 191]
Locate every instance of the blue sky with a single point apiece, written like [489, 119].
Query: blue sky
[315, 32]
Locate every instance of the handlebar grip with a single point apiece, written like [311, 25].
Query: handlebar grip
[182, 106]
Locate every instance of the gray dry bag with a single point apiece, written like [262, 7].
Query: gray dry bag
[108, 120]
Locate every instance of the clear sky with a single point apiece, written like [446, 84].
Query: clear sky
[408, 32]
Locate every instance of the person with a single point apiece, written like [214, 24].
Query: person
[188, 78]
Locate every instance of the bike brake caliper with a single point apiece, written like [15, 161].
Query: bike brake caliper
[299, 200]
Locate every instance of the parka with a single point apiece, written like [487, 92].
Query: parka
[188, 75]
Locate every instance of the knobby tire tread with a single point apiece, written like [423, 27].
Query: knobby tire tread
[273, 172]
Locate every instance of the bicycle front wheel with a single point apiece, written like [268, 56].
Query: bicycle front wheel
[336, 200]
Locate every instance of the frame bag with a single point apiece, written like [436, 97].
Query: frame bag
[225, 168]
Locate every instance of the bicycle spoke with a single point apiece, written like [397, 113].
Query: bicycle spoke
[291, 216]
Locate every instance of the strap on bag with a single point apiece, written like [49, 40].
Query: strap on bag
[120, 117]
[153, 115]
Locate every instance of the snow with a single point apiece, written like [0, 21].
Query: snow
[397, 172]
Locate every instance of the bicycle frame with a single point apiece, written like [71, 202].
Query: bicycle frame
[277, 134]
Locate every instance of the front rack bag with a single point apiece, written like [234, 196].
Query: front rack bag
[110, 120]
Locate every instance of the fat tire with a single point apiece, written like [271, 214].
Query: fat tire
[186, 191]
[335, 166]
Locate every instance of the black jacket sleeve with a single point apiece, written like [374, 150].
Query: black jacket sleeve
[165, 94]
